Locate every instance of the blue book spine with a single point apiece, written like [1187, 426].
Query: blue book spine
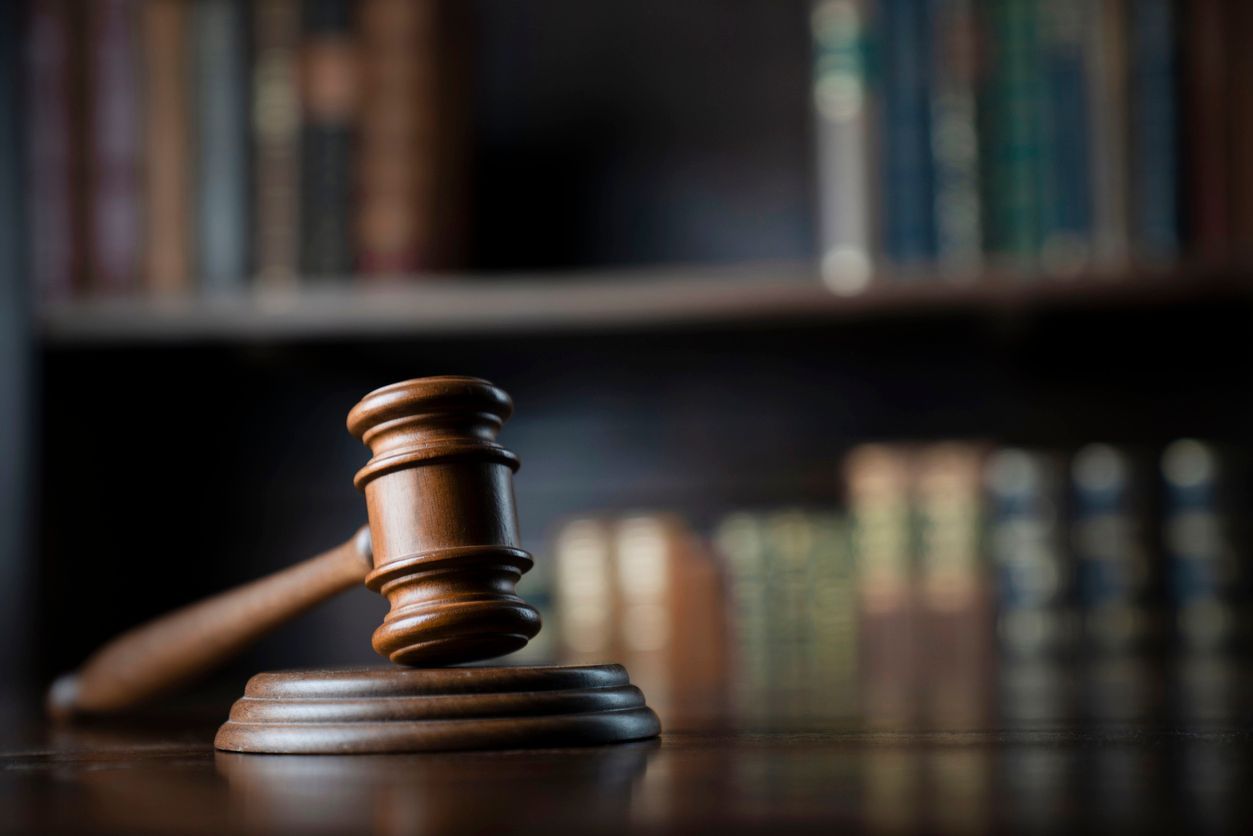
[1111, 555]
[1066, 185]
[1154, 130]
[908, 220]
[1205, 581]
[221, 104]
[1025, 546]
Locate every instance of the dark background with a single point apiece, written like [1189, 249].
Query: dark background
[603, 134]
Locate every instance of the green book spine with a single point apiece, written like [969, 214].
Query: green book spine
[1012, 107]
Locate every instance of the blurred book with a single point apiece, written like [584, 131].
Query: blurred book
[877, 479]
[1112, 550]
[54, 147]
[954, 592]
[1108, 70]
[168, 143]
[1203, 533]
[1154, 126]
[223, 223]
[1027, 546]
[793, 614]
[330, 96]
[671, 627]
[583, 591]
[1208, 159]
[276, 115]
[842, 102]
[643, 590]
[397, 158]
[114, 165]
[906, 69]
[955, 147]
[1012, 108]
[1067, 222]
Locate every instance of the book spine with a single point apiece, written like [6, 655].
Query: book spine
[51, 149]
[583, 591]
[1013, 104]
[276, 141]
[842, 104]
[1108, 68]
[789, 621]
[1066, 185]
[832, 603]
[167, 136]
[396, 140]
[877, 479]
[222, 221]
[1113, 565]
[114, 227]
[1205, 574]
[1208, 199]
[1239, 109]
[1025, 543]
[643, 573]
[955, 135]
[330, 94]
[954, 598]
[909, 218]
[740, 542]
[1154, 130]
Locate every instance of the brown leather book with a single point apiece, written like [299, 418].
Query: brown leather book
[671, 620]
[396, 158]
[878, 485]
[167, 157]
[409, 188]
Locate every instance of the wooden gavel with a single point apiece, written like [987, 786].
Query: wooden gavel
[442, 546]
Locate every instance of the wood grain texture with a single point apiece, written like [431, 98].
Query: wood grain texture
[158, 656]
[393, 710]
[439, 491]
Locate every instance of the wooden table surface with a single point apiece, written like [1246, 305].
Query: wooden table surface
[1156, 771]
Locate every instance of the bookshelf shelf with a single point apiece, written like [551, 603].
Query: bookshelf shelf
[609, 301]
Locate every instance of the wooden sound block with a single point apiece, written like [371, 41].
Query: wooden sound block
[371, 710]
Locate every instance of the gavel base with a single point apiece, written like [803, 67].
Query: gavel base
[374, 710]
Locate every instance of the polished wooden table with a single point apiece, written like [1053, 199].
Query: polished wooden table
[1134, 765]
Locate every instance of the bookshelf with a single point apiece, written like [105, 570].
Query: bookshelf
[643, 222]
[610, 301]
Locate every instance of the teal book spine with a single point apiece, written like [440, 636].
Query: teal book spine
[1012, 106]
[221, 102]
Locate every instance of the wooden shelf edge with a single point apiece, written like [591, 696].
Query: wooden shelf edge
[603, 301]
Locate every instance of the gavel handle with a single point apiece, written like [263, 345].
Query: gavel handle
[164, 653]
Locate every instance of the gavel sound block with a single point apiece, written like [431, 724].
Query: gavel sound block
[445, 553]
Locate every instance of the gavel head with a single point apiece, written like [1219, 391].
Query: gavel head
[439, 493]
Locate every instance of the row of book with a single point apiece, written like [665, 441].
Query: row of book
[177, 146]
[956, 136]
[944, 552]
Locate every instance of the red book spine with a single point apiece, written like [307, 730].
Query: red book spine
[52, 153]
[114, 226]
[1208, 163]
[396, 151]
